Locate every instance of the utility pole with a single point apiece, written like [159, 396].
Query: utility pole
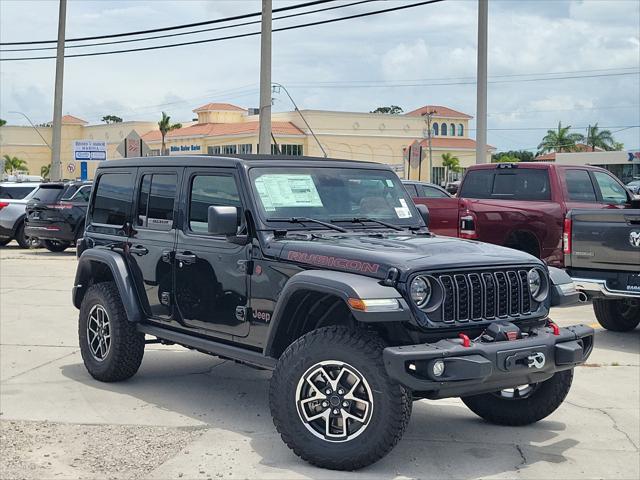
[481, 104]
[56, 141]
[264, 145]
[429, 114]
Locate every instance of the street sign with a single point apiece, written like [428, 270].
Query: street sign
[71, 167]
[133, 146]
[84, 150]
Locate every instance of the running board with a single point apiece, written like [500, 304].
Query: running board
[209, 346]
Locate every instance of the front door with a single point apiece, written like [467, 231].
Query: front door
[153, 238]
[211, 272]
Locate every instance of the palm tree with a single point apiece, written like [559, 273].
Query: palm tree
[560, 140]
[451, 164]
[600, 138]
[2, 122]
[165, 127]
[14, 164]
[45, 171]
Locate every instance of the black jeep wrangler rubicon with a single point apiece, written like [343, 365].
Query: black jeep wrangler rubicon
[325, 272]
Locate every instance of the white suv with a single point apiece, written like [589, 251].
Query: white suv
[13, 200]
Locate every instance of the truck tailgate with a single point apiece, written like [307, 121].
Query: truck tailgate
[607, 239]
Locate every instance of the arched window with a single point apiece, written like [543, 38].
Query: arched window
[460, 130]
[453, 129]
[435, 129]
[443, 129]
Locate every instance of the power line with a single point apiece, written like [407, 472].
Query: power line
[229, 37]
[225, 27]
[175, 27]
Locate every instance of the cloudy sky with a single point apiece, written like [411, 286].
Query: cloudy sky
[413, 57]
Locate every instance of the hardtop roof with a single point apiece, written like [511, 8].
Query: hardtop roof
[235, 160]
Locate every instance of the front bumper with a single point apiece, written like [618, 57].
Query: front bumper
[488, 367]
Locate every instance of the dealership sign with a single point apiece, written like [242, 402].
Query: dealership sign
[84, 150]
[184, 148]
[633, 156]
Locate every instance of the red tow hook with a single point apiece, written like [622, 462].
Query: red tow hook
[555, 328]
[465, 340]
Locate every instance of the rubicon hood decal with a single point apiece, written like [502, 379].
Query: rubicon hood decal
[335, 262]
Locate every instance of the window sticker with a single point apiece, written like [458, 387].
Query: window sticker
[403, 212]
[389, 182]
[284, 190]
[403, 203]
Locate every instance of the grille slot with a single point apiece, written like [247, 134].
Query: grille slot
[484, 295]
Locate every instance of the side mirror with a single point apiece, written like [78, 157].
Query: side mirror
[222, 220]
[424, 213]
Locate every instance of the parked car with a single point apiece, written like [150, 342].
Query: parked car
[634, 186]
[453, 187]
[325, 272]
[602, 255]
[443, 208]
[56, 214]
[523, 205]
[13, 200]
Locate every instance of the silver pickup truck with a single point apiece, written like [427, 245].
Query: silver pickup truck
[602, 256]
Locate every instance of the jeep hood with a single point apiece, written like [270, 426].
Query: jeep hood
[373, 255]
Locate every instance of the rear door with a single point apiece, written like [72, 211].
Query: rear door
[152, 242]
[443, 209]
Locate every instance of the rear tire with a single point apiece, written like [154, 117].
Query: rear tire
[619, 315]
[56, 245]
[353, 361]
[111, 346]
[21, 238]
[541, 401]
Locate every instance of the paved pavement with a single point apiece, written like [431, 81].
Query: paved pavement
[188, 415]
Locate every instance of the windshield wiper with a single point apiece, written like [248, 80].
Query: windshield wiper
[362, 220]
[301, 220]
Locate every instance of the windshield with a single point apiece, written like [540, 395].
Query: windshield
[332, 195]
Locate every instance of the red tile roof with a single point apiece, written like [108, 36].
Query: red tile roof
[223, 129]
[71, 120]
[451, 142]
[219, 106]
[439, 110]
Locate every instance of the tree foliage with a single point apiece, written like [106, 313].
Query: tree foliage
[391, 110]
[559, 140]
[45, 171]
[513, 155]
[3, 122]
[165, 126]
[111, 119]
[597, 138]
[14, 164]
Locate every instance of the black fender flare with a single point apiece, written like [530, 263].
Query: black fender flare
[344, 286]
[562, 290]
[121, 276]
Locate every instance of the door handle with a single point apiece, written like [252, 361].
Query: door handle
[138, 250]
[186, 257]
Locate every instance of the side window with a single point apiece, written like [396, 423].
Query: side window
[431, 192]
[112, 203]
[579, 186]
[411, 189]
[83, 194]
[208, 190]
[612, 191]
[156, 201]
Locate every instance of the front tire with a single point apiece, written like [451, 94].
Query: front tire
[111, 346]
[332, 401]
[619, 315]
[56, 246]
[522, 405]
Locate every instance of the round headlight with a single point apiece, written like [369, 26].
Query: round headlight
[535, 282]
[420, 291]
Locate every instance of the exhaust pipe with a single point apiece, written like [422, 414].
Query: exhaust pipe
[582, 297]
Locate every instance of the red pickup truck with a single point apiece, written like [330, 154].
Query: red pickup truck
[523, 205]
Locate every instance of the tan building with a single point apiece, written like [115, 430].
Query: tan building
[222, 128]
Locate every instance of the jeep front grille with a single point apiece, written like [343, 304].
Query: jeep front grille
[484, 295]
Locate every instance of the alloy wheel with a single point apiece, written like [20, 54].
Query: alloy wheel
[99, 333]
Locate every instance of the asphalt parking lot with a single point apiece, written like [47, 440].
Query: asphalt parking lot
[188, 415]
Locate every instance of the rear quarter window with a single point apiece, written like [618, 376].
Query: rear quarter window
[113, 198]
[512, 184]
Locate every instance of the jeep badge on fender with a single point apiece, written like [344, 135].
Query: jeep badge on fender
[325, 272]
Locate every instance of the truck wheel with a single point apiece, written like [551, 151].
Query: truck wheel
[332, 401]
[55, 245]
[524, 404]
[620, 315]
[111, 346]
[21, 238]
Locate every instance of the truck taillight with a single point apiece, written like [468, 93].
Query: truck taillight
[468, 226]
[566, 236]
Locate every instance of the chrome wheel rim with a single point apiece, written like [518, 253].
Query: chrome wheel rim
[99, 333]
[515, 393]
[334, 401]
